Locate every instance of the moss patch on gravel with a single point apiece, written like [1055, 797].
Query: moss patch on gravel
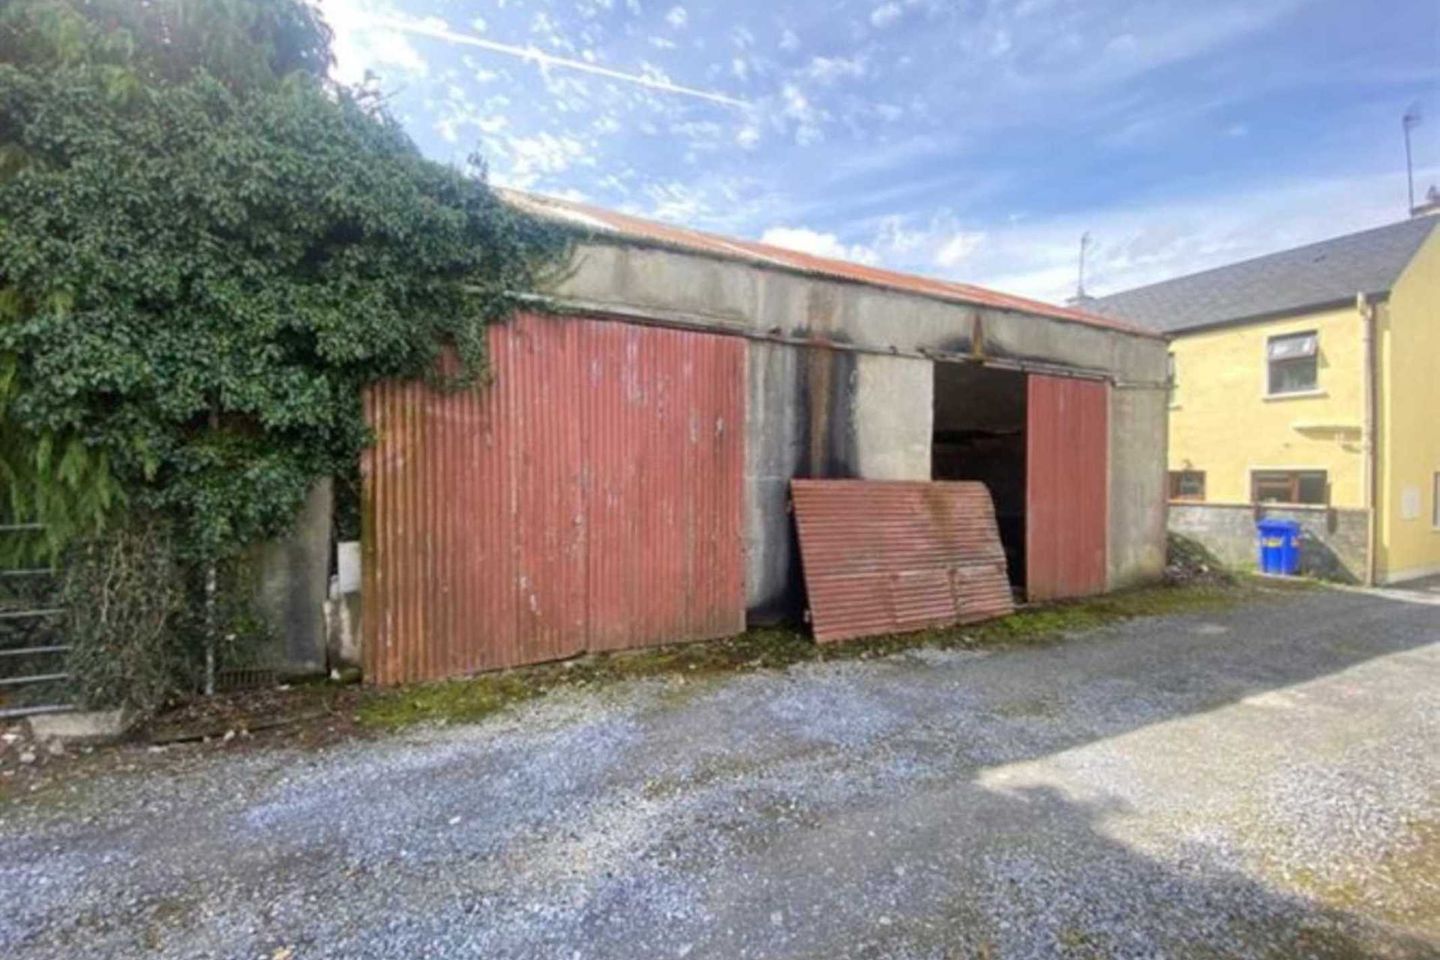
[776, 648]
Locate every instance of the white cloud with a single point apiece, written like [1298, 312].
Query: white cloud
[958, 248]
[796, 107]
[748, 136]
[1136, 245]
[360, 46]
[677, 17]
[533, 158]
[676, 202]
[817, 244]
[826, 70]
[434, 28]
[885, 14]
[789, 41]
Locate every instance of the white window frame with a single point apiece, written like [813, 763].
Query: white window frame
[1315, 389]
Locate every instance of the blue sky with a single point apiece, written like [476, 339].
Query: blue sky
[970, 140]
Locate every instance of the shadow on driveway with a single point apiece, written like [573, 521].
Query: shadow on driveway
[1257, 783]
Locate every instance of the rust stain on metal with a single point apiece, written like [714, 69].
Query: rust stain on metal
[588, 498]
[892, 556]
[1067, 495]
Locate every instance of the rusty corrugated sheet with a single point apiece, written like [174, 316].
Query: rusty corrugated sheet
[1067, 493]
[891, 556]
[588, 499]
[735, 248]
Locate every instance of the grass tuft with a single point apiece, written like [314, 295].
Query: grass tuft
[774, 648]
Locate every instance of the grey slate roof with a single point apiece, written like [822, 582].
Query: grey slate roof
[1331, 271]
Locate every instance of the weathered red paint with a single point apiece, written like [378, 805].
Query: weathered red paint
[589, 498]
[1067, 493]
[890, 556]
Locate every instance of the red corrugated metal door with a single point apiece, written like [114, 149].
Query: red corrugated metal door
[889, 556]
[588, 499]
[1067, 476]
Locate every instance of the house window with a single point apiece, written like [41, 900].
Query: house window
[1289, 486]
[1293, 363]
[1187, 484]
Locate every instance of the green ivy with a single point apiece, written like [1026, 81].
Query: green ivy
[207, 250]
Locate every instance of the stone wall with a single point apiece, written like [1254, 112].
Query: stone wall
[1332, 543]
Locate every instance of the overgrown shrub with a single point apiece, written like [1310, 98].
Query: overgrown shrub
[209, 249]
[124, 596]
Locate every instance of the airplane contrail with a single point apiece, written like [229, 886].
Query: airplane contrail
[537, 56]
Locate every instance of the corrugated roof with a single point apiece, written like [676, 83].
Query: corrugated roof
[1332, 271]
[625, 226]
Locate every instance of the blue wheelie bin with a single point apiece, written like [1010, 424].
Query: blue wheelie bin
[1279, 547]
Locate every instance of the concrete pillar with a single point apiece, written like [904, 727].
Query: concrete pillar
[294, 574]
[1138, 495]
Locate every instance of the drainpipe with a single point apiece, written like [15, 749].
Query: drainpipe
[1371, 445]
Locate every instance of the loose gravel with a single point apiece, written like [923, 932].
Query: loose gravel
[1259, 783]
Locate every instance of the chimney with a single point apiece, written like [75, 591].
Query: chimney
[1430, 206]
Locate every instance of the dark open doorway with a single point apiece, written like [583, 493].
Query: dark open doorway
[979, 434]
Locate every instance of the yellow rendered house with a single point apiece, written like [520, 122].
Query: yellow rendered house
[1306, 385]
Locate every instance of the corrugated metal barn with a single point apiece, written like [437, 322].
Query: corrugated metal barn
[625, 480]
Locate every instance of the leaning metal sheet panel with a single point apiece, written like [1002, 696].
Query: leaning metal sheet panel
[891, 556]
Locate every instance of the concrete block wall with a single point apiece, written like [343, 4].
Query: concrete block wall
[1332, 545]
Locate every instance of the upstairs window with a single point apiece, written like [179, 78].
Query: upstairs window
[1293, 363]
[1187, 484]
[1290, 486]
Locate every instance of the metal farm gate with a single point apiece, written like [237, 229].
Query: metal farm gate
[32, 648]
[589, 498]
[1067, 489]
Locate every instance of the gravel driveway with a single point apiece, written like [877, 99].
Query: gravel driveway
[1263, 782]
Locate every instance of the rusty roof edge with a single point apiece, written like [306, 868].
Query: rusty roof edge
[598, 229]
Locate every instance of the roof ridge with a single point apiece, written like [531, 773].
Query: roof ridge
[755, 251]
[1267, 256]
